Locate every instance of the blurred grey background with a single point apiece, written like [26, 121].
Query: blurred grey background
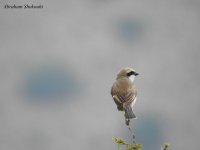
[57, 65]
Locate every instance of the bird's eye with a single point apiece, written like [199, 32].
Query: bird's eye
[130, 73]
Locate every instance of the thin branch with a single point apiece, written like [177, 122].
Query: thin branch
[132, 134]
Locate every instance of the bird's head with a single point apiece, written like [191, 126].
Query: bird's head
[128, 73]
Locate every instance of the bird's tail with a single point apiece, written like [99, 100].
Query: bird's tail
[129, 114]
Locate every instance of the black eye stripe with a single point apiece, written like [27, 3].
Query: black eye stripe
[130, 73]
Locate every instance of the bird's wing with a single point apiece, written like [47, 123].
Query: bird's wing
[130, 97]
[114, 93]
[123, 92]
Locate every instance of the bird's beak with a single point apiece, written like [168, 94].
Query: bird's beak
[136, 74]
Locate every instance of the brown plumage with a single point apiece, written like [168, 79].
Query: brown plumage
[124, 92]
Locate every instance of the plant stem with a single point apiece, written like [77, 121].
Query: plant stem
[133, 136]
[118, 146]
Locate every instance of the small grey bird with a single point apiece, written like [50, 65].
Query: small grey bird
[124, 92]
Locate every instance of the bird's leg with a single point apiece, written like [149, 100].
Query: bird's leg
[127, 121]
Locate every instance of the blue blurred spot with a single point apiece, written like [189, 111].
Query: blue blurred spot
[148, 132]
[130, 29]
[50, 82]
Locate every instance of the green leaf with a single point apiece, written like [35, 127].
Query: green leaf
[119, 140]
[133, 147]
[165, 146]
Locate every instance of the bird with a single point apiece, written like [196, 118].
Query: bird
[124, 92]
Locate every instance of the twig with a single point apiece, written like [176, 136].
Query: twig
[118, 146]
[132, 134]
